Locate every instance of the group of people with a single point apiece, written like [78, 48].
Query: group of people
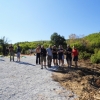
[49, 55]
[11, 52]
[57, 55]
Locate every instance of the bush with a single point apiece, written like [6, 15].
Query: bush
[84, 55]
[96, 57]
[23, 51]
[96, 50]
[27, 52]
[1, 49]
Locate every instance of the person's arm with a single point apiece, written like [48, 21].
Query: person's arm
[58, 51]
[77, 52]
[70, 51]
[47, 51]
[36, 50]
[9, 49]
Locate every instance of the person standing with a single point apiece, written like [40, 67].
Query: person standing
[69, 55]
[43, 56]
[11, 51]
[49, 55]
[38, 50]
[61, 55]
[18, 52]
[75, 54]
[54, 52]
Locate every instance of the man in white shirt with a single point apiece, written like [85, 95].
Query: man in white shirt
[49, 55]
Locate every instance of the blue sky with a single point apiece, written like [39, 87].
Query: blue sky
[32, 20]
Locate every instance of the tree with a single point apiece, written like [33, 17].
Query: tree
[57, 40]
[4, 44]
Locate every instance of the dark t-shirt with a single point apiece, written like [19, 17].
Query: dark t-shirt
[60, 53]
[18, 49]
[69, 52]
[11, 48]
[54, 51]
[43, 52]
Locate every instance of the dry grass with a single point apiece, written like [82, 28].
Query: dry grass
[85, 82]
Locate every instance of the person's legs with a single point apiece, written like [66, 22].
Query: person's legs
[62, 59]
[41, 62]
[49, 60]
[10, 56]
[75, 63]
[18, 56]
[37, 58]
[13, 55]
[67, 59]
[58, 60]
[44, 58]
[54, 61]
[70, 61]
[75, 59]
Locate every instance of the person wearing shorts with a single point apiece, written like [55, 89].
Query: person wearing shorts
[75, 55]
[43, 56]
[69, 55]
[60, 55]
[18, 52]
[54, 53]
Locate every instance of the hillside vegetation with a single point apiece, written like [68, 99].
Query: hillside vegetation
[88, 46]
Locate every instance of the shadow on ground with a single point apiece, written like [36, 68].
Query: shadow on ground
[86, 71]
[2, 60]
[26, 63]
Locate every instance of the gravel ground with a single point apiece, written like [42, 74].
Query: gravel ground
[26, 81]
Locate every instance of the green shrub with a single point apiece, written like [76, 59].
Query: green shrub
[84, 55]
[96, 57]
[27, 52]
[1, 48]
[96, 50]
[23, 51]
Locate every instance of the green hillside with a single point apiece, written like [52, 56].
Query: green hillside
[88, 46]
